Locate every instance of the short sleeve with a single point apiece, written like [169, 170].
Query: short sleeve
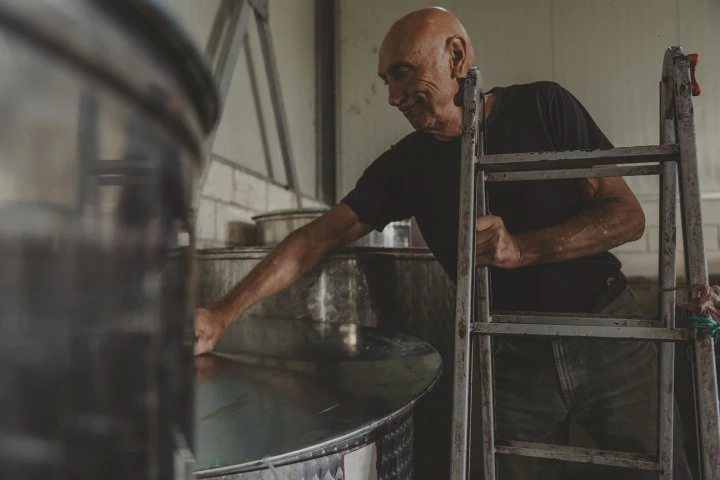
[384, 193]
[567, 120]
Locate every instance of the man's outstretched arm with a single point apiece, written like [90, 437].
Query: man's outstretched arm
[297, 254]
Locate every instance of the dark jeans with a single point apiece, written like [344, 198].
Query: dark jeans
[610, 388]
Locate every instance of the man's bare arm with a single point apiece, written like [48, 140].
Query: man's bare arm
[297, 254]
[612, 216]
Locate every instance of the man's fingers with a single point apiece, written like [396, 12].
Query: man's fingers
[484, 257]
[202, 345]
[486, 222]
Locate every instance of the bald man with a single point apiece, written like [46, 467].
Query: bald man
[547, 244]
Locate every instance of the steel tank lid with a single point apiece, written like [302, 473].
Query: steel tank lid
[285, 391]
[291, 213]
[93, 36]
[259, 252]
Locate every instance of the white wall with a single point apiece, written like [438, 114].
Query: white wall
[239, 183]
[607, 52]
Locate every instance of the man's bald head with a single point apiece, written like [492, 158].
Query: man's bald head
[425, 28]
[422, 59]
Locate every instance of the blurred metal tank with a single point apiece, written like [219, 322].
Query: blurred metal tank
[396, 290]
[272, 227]
[103, 110]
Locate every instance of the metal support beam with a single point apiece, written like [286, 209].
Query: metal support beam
[325, 56]
[232, 21]
[223, 49]
[277, 103]
[264, 141]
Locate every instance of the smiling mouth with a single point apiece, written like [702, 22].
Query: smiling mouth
[405, 111]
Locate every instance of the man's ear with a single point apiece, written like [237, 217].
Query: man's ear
[458, 56]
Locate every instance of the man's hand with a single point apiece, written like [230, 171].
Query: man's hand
[494, 245]
[208, 330]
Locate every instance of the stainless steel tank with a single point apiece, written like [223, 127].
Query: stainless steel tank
[297, 400]
[395, 290]
[103, 110]
[272, 227]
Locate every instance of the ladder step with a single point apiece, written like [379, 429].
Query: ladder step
[586, 320]
[590, 331]
[604, 171]
[636, 461]
[577, 158]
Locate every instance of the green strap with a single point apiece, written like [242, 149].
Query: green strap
[705, 323]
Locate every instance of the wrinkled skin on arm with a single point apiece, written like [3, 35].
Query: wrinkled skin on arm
[297, 254]
[612, 216]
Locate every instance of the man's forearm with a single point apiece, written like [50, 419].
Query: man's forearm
[278, 270]
[596, 229]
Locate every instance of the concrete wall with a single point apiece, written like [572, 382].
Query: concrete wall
[607, 52]
[245, 178]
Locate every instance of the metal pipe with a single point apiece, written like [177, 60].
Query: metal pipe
[325, 54]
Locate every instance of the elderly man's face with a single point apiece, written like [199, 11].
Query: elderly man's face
[420, 82]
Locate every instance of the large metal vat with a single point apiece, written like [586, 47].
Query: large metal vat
[103, 110]
[272, 227]
[395, 290]
[298, 400]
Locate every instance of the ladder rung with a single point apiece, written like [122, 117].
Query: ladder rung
[604, 171]
[607, 331]
[635, 461]
[577, 158]
[587, 320]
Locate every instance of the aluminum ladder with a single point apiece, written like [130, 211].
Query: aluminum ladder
[674, 158]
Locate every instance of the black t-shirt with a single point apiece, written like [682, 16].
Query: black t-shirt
[419, 177]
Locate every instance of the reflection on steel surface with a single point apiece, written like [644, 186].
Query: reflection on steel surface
[396, 290]
[100, 136]
[272, 227]
[285, 391]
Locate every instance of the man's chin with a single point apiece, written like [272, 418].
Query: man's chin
[420, 124]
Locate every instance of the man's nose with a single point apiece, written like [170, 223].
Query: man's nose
[396, 95]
